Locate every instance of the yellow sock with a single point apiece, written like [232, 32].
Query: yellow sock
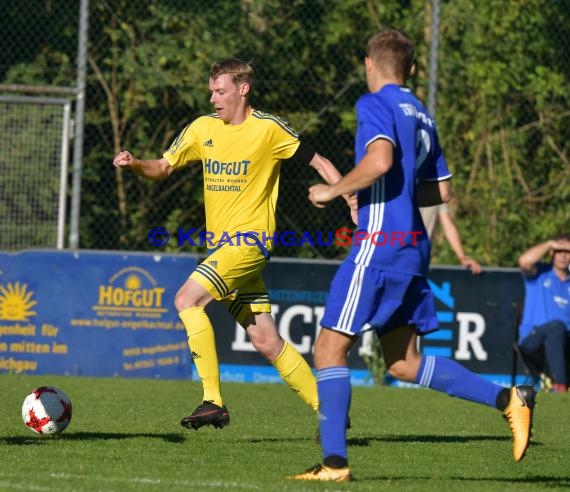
[295, 371]
[202, 345]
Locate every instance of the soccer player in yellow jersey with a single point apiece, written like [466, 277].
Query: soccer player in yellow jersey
[241, 150]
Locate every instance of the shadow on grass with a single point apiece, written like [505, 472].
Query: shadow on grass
[88, 436]
[542, 480]
[273, 439]
[554, 482]
[365, 441]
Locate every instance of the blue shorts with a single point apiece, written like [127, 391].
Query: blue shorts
[362, 298]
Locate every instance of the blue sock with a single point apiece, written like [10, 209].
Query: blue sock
[448, 376]
[334, 388]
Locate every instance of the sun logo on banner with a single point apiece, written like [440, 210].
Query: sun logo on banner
[133, 282]
[16, 302]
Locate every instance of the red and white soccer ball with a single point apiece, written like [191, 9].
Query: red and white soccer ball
[47, 410]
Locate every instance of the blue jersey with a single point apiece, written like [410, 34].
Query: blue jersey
[547, 298]
[387, 211]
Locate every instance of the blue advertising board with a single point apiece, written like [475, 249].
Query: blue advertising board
[93, 314]
[107, 314]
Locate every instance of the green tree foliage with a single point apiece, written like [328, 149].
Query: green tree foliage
[502, 106]
[503, 114]
[151, 79]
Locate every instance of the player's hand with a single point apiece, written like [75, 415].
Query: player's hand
[475, 268]
[354, 216]
[124, 159]
[561, 245]
[352, 202]
[320, 194]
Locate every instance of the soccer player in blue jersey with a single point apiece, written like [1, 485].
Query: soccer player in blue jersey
[241, 150]
[399, 167]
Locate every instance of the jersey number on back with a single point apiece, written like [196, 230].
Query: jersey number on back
[423, 146]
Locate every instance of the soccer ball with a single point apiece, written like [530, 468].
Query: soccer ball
[47, 410]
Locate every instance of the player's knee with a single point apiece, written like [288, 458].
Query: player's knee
[265, 339]
[259, 343]
[331, 349]
[268, 346]
[558, 326]
[183, 301]
[191, 294]
[179, 302]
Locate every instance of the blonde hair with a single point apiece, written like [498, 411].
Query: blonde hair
[239, 71]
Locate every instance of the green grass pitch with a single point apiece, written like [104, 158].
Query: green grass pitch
[125, 436]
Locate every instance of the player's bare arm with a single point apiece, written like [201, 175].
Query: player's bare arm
[325, 168]
[454, 239]
[529, 259]
[331, 175]
[156, 169]
[432, 193]
[376, 163]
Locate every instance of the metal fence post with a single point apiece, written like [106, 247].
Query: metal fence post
[433, 57]
[79, 125]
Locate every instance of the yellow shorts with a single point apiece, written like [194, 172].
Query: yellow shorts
[232, 275]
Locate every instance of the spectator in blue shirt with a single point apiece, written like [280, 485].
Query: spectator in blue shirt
[546, 315]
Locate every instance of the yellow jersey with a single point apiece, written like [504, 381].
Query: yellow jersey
[241, 165]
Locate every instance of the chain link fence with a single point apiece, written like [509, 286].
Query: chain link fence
[34, 136]
[502, 105]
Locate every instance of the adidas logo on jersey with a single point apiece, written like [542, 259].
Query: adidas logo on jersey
[195, 355]
[208, 143]
[214, 263]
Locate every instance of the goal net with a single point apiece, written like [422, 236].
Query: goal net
[34, 153]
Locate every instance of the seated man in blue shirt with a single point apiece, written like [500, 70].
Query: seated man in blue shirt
[546, 315]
